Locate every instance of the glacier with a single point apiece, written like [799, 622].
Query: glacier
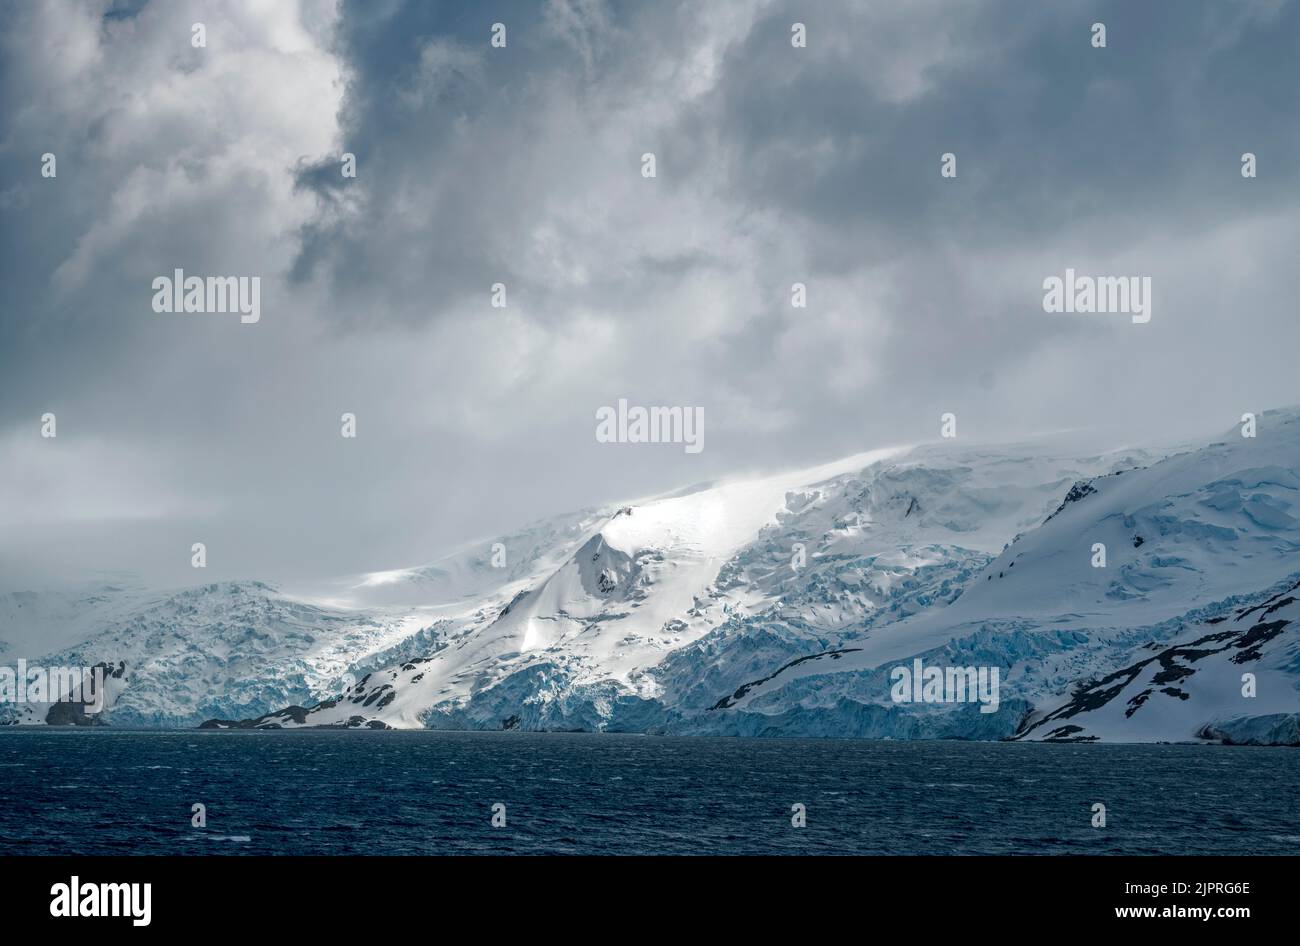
[770, 606]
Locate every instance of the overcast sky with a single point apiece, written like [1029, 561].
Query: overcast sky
[522, 165]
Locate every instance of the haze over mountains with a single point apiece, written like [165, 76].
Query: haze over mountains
[771, 606]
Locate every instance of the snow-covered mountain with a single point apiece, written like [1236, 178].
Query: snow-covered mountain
[777, 605]
[1197, 590]
[221, 649]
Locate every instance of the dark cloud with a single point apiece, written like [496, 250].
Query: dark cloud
[522, 166]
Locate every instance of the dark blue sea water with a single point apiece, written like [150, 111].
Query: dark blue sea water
[331, 792]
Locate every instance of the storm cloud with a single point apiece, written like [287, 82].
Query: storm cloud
[521, 165]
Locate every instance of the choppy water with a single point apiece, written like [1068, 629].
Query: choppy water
[331, 792]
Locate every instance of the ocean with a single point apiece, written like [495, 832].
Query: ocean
[79, 791]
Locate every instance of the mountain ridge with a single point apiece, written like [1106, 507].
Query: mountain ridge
[776, 605]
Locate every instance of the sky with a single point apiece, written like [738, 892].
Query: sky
[522, 165]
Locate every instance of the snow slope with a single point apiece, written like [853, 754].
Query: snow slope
[670, 603]
[223, 649]
[1198, 675]
[775, 605]
[1190, 541]
[237, 649]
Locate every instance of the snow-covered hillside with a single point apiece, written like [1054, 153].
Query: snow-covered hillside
[222, 649]
[776, 605]
[236, 649]
[667, 605]
[1195, 544]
